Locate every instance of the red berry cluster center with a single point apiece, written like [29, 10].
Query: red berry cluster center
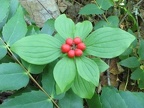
[73, 47]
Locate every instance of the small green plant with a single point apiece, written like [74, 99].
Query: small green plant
[78, 66]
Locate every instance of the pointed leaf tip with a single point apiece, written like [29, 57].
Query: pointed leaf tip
[108, 42]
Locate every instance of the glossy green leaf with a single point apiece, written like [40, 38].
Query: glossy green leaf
[83, 88]
[83, 29]
[64, 26]
[101, 64]
[71, 100]
[38, 49]
[131, 62]
[48, 27]
[91, 9]
[105, 4]
[88, 70]
[138, 74]
[108, 42]
[126, 99]
[12, 77]
[4, 10]
[32, 68]
[15, 28]
[141, 49]
[3, 49]
[33, 99]
[64, 72]
[113, 21]
[94, 102]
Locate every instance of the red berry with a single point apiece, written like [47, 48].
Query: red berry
[77, 40]
[81, 46]
[71, 53]
[65, 48]
[78, 52]
[69, 41]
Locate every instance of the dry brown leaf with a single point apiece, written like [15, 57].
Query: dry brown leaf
[114, 80]
[122, 86]
[115, 68]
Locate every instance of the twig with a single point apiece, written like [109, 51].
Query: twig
[48, 11]
[126, 81]
[108, 74]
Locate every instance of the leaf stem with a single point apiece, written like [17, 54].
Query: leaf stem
[29, 74]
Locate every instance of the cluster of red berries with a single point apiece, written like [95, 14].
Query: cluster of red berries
[73, 47]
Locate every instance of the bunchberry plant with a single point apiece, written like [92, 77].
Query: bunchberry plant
[75, 68]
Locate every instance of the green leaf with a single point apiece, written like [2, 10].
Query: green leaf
[38, 49]
[33, 99]
[83, 29]
[60, 92]
[104, 4]
[32, 68]
[64, 26]
[3, 49]
[4, 10]
[113, 21]
[141, 49]
[131, 62]
[64, 72]
[94, 102]
[12, 77]
[125, 99]
[13, 7]
[91, 9]
[6, 59]
[129, 50]
[48, 27]
[32, 30]
[133, 99]
[101, 64]
[141, 84]
[15, 28]
[88, 70]
[71, 100]
[83, 88]
[108, 42]
[138, 74]
[48, 82]
[109, 97]
[57, 36]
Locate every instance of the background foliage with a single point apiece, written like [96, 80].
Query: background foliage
[34, 71]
